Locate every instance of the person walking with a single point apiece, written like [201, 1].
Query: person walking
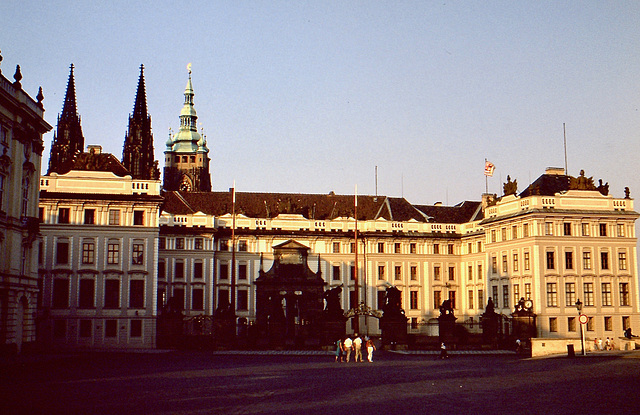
[348, 345]
[339, 351]
[357, 345]
[443, 351]
[370, 348]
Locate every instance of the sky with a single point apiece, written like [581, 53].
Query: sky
[314, 96]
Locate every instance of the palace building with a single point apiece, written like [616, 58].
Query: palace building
[117, 252]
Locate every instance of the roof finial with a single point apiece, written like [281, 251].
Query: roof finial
[40, 97]
[189, 69]
[18, 77]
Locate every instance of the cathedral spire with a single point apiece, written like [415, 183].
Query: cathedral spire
[68, 141]
[137, 153]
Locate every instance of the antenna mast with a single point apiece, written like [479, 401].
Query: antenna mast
[566, 171]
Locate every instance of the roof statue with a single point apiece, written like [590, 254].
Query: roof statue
[581, 182]
[510, 187]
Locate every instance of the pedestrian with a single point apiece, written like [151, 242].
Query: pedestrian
[607, 344]
[357, 345]
[348, 345]
[518, 346]
[595, 344]
[443, 351]
[599, 344]
[370, 348]
[339, 351]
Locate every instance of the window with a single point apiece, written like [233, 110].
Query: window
[570, 294]
[479, 246]
[452, 298]
[527, 262]
[503, 235]
[223, 297]
[551, 260]
[86, 293]
[60, 293]
[480, 298]
[198, 267]
[353, 299]
[626, 322]
[514, 232]
[505, 266]
[224, 245]
[450, 249]
[552, 294]
[162, 270]
[136, 328]
[571, 324]
[114, 217]
[437, 299]
[414, 273]
[2, 189]
[624, 294]
[493, 235]
[590, 326]
[86, 328]
[568, 260]
[603, 229]
[436, 273]
[179, 243]
[515, 262]
[413, 300]
[352, 247]
[622, 261]
[178, 270]
[412, 248]
[588, 294]
[620, 228]
[198, 244]
[113, 253]
[197, 299]
[243, 300]
[110, 328]
[436, 248]
[89, 216]
[63, 215]
[586, 260]
[242, 271]
[470, 299]
[494, 265]
[604, 260]
[398, 272]
[336, 272]
[470, 272]
[380, 272]
[494, 291]
[607, 324]
[162, 243]
[567, 229]
[525, 230]
[137, 254]
[112, 293]
[88, 252]
[62, 252]
[381, 247]
[381, 299]
[505, 296]
[516, 292]
[352, 273]
[452, 273]
[585, 229]
[136, 294]
[548, 228]
[527, 290]
[138, 217]
[397, 248]
[242, 246]
[606, 294]
[553, 324]
[479, 271]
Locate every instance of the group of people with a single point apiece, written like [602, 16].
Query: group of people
[599, 344]
[345, 346]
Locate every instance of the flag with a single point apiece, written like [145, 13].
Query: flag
[488, 168]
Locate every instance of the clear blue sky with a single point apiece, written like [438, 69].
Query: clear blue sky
[309, 97]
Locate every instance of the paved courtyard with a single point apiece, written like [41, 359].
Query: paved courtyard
[269, 383]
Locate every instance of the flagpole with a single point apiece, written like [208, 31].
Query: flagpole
[233, 249]
[356, 326]
[486, 180]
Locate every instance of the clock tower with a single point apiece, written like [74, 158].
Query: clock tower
[186, 161]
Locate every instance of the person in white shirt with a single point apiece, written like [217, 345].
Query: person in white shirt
[348, 345]
[357, 344]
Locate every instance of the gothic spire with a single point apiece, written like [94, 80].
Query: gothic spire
[68, 141]
[137, 152]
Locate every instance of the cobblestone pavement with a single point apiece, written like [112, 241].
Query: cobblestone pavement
[280, 383]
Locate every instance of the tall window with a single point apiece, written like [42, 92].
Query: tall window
[414, 273]
[380, 272]
[450, 249]
[470, 272]
[480, 298]
[179, 243]
[89, 216]
[470, 299]
[494, 264]
[570, 293]
[86, 293]
[603, 229]
[620, 228]
[553, 324]
[548, 228]
[413, 300]
[436, 273]
[624, 294]
[567, 229]
[505, 296]
[62, 252]
[588, 294]
[568, 260]
[514, 232]
[113, 252]
[63, 215]
[412, 248]
[604, 260]
[398, 272]
[527, 261]
[608, 324]
[436, 248]
[198, 274]
[138, 217]
[224, 271]
[622, 261]
[606, 294]
[452, 273]
[381, 247]
[352, 273]
[515, 262]
[397, 248]
[25, 196]
[88, 252]
[516, 292]
[479, 271]
[336, 247]
[437, 299]
[135, 328]
[551, 264]
[136, 294]
[585, 229]
[197, 299]
[525, 230]
[162, 269]
[552, 294]
[571, 324]
[112, 293]
[494, 293]
[137, 254]
[114, 217]
[1, 189]
[452, 298]
[178, 269]
[60, 293]
[242, 246]
[243, 300]
[503, 234]
[198, 244]
[527, 290]
[505, 266]
[586, 260]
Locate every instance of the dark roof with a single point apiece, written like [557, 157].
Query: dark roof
[461, 213]
[315, 206]
[95, 162]
[547, 185]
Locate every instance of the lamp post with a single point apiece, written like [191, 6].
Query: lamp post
[579, 308]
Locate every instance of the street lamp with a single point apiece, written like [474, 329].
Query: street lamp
[579, 308]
